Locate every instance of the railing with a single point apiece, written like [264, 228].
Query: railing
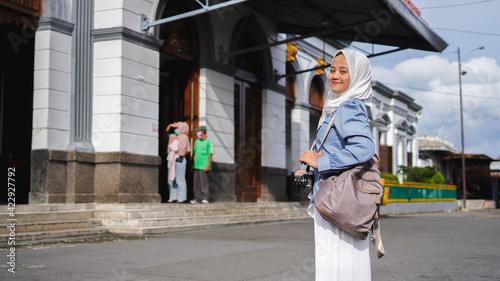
[408, 192]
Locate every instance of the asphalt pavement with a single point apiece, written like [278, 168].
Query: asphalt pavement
[438, 246]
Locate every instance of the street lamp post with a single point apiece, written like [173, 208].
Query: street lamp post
[460, 73]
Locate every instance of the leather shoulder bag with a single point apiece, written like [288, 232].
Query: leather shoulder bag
[351, 199]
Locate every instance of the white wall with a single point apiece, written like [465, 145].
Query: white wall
[126, 13]
[273, 134]
[300, 136]
[216, 111]
[51, 90]
[125, 102]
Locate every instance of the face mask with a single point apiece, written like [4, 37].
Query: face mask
[176, 132]
[198, 134]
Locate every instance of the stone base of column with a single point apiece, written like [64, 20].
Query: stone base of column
[222, 182]
[59, 176]
[274, 184]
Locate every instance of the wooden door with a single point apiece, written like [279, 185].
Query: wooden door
[247, 113]
[385, 154]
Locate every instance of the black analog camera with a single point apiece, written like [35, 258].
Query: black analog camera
[305, 181]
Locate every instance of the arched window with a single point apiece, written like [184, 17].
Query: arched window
[316, 95]
[180, 37]
[409, 153]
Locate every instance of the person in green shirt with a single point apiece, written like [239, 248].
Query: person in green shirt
[202, 163]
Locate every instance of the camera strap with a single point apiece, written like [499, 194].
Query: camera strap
[326, 134]
[323, 140]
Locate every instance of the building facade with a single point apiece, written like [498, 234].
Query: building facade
[432, 152]
[108, 78]
[393, 119]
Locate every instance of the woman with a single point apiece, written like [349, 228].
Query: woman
[178, 149]
[338, 254]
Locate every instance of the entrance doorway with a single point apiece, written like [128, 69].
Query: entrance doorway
[247, 114]
[249, 76]
[178, 102]
[179, 86]
[16, 110]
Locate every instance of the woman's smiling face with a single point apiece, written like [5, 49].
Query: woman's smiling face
[339, 76]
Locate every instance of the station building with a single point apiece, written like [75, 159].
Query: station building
[90, 87]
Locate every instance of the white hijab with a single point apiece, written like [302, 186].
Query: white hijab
[360, 86]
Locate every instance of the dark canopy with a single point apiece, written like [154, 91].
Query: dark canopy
[384, 22]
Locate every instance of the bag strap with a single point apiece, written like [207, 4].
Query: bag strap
[324, 136]
[377, 235]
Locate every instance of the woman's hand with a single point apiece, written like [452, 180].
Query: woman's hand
[171, 125]
[299, 173]
[310, 158]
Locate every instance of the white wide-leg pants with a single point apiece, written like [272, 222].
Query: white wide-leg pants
[339, 255]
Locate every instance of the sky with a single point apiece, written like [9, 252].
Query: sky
[432, 78]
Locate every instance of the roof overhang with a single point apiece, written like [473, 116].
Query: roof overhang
[381, 22]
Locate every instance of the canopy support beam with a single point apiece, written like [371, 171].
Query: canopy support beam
[278, 77]
[145, 25]
[224, 55]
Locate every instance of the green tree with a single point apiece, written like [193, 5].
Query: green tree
[388, 176]
[427, 174]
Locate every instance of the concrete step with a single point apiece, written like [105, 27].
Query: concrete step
[153, 222]
[179, 228]
[40, 216]
[54, 234]
[48, 226]
[49, 221]
[180, 217]
[188, 211]
[143, 206]
[46, 221]
[28, 208]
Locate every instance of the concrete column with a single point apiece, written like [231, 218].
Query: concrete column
[52, 84]
[216, 111]
[81, 91]
[125, 98]
[273, 129]
[300, 134]
[273, 138]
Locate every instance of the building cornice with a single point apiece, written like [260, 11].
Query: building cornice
[56, 24]
[123, 33]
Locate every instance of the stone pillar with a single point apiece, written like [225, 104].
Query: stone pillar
[122, 177]
[51, 111]
[63, 176]
[81, 90]
[216, 111]
[95, 124]
[274, 172]
[52, 84]
[300, 143]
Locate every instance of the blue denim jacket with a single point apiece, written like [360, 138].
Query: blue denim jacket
[348, 143]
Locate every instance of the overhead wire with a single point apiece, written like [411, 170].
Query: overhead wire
[439, 92]
[465, 31]
[455, 5]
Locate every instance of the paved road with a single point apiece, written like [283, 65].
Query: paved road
[441, 246]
